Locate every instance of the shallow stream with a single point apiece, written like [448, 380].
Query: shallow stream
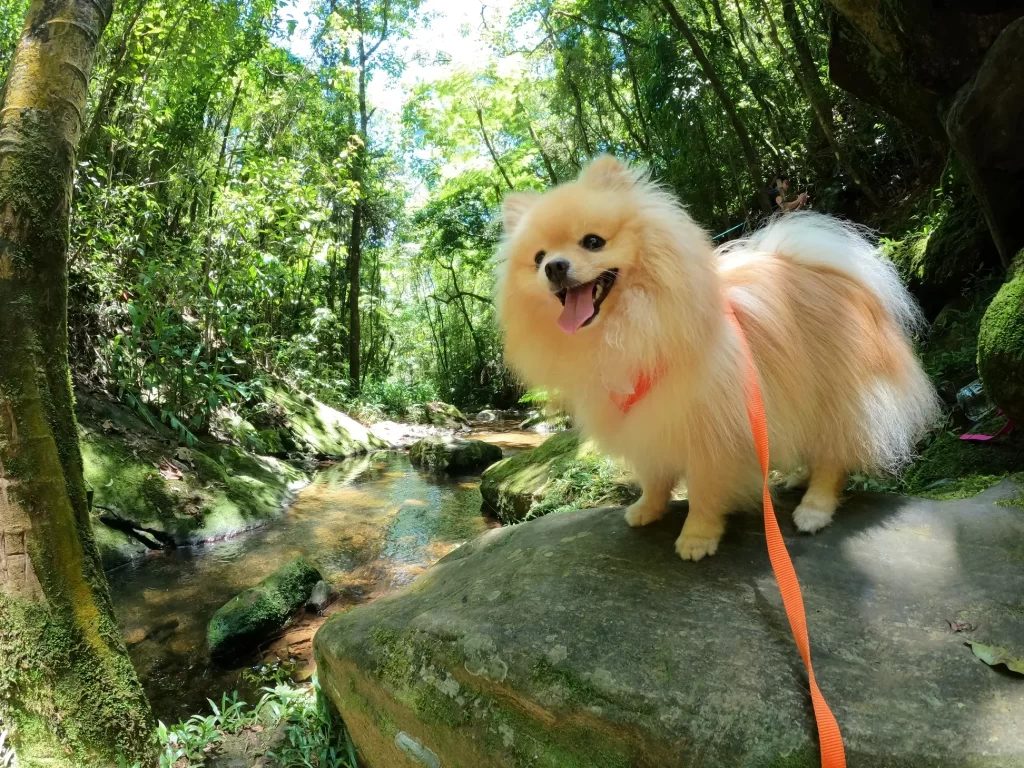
[371, 524]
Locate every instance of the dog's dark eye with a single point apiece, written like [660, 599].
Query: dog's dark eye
[539, 257]
[592, 242]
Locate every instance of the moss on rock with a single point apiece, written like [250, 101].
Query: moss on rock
[251, 616]
[211, 492]
[1001, 345]
[321, 429]
[576, 641]
[453, 456]
[936, 264]
[159, 494]
[565, 471]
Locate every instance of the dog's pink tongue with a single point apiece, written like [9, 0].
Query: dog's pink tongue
[579, 307]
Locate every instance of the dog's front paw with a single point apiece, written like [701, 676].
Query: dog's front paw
[810, 519]
[639, 514]
[691, 547]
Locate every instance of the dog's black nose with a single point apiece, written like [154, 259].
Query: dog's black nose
[557, 271]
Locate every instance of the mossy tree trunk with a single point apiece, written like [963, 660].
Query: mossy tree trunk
[68, 693]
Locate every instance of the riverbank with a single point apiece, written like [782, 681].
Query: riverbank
[371, 523]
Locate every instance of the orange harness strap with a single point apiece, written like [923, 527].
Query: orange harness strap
[641, 387]
[829, 738]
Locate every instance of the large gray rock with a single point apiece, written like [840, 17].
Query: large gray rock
[576, 641]
[453, 456]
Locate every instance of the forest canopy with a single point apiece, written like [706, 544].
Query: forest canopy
[309, 192]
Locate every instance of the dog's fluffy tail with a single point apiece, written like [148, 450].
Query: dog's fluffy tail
[895, 414]
[818, 240]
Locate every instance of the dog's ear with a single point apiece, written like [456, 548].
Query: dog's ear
[514, 207]
[608, 172]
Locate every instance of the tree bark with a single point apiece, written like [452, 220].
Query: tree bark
[742, 135]
[68, 692]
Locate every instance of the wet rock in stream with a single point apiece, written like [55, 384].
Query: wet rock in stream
[257, 613]
[453, 456]
[320, 598]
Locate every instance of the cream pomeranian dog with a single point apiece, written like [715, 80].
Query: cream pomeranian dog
[611, 295]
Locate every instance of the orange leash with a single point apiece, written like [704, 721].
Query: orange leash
[829, 737]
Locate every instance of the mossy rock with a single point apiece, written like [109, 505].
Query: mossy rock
[565, 470]
[453, 456]
[257, 613]
[545, 422]
[1001, 345]
[574, 641]
[207, 492]
[116, 547]
[321, 429]
[264, 440]
[438, 414]
[936, 266]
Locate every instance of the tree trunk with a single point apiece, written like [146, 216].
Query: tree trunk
[490, 149]
[355, 252]
[806, 73]
[68, 692]
[355, 258]
[742, 135]
[355, 242]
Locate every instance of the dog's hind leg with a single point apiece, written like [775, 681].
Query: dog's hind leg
[821, 499]
[653, 504]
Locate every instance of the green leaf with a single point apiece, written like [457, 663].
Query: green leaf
[994, 655]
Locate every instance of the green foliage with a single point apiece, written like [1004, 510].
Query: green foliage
[313, 736]
[12, 14]
[220, 176]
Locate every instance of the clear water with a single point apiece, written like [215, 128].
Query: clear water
[370, 524]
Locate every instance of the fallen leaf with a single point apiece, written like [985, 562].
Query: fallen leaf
[169, 471]
[960, 626]
[994, 655]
